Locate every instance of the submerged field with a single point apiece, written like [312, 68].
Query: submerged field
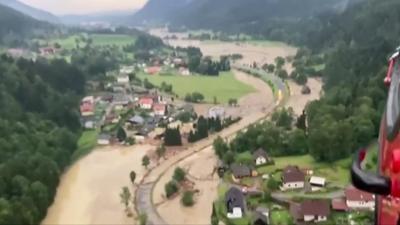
[98, 40]
[223, 87]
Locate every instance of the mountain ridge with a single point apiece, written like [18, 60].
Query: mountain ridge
[33, 12]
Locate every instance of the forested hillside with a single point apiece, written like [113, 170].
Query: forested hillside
[15, 27]
[39, 127]
[360, 42]
[30, 11]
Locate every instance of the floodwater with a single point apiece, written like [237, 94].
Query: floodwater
[89, 189]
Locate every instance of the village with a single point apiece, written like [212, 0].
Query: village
[145, 102]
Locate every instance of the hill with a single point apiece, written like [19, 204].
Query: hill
[231, 15]
[30, 11]
[15, 26]
[160, 11]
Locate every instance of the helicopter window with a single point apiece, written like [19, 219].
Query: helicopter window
[393, 105]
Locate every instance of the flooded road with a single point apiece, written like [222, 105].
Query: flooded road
[89, 189]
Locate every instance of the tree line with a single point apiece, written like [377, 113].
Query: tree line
[40, 128]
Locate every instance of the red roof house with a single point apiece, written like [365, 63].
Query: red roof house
[146, 102]
[159, 109]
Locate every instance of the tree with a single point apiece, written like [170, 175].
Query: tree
[192, 137]
[121, 134]
[214, 216]
[143, 219]
[272, 184]
[171, 188]
[280, 62]
[283, 117]
[215, 101]
[271, 68]
[145, 161]
[202, 128]
[125, 196]
[130, 141]
[179, 174]
[229, 157]
[197, 97]
[172, 137]
[187, 198]
[301, 121]
[232, 102]
[160, 151]
[282, 74]
[132, 175]
[220, 147]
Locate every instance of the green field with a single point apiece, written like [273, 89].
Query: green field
[98, 40]
[281, 217]
[223, 87]
[337, 173]
[86, 143]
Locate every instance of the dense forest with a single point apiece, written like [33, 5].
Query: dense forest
[39, 127]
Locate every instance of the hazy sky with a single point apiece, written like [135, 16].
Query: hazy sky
[60, 7]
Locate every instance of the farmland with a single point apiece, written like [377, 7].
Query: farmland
[98, 40]
[223, 87]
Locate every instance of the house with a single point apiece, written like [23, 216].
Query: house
[18, 53]
[292, 178]
[87, 106]
[310, 210]
[317, 183]
[357, 199]
[184, 71]
[47, 51]
[103, 139]
[235, 205]
[152, 70]
[216, 111]
[127, 69]
[120, 101]
[315, 210]
[123, 79]
[146, 102]
[261, 157]
[159, 109]
[239, 171]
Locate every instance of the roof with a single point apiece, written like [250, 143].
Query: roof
[292, 174]
[234, 198]
[159, 107]
[136, 119]
[315, 207]
[317, 180]
[240, 170]
[339, 204]
[353, 194]
[262, 210]
[146, 100]
[260, 153]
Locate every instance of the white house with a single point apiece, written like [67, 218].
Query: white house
[123, 79]
[292, 178]
[235, 204]
[260, 157]
[216, 111]
[357, 199]
[184, 71]
[127, 69]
